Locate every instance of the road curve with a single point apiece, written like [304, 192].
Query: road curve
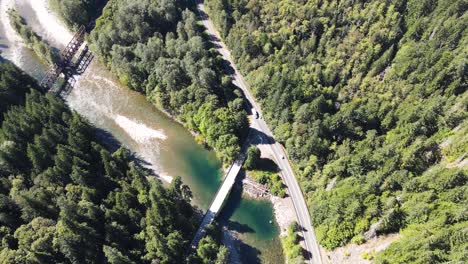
[286, 170]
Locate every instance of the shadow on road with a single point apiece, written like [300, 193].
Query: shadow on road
[203, 15]
[213, 40]
[228, 69]
[257, 137]
[306, 254]
[247, 105]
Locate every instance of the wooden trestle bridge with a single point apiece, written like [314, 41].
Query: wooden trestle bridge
[67, 66]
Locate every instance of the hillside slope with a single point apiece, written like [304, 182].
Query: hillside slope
[370, 100]
[65, 198]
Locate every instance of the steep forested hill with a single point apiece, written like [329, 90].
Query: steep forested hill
[156, 47]
[370, 100]
[64, 198]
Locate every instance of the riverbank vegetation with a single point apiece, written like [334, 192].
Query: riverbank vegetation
[65, 198]
[264, 171]
[31, 39]
[370, 100]
[210, 250]
[75, 12]
[291, 246]
[157, 48]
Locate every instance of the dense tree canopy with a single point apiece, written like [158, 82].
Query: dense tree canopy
[370, 100]
[76, 12]
[210, 250]
[369, 97]
[252, 158]
[156, 47]
[64, 198]
[14, 84]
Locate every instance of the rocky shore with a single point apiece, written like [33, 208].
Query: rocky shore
[283, 207]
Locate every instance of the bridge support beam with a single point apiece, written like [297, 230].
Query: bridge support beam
[66, 56]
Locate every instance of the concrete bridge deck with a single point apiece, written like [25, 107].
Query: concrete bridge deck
[220, 197]
[286, 171]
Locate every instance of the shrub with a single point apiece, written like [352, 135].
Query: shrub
[32, 40]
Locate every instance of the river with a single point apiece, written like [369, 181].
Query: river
[163, 145]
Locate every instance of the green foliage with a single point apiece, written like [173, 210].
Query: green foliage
[32, 40]
[210, 250]
[64, 198]
[157, 48]
[13, 86]
[75, 12]
[441, 243]
[367, 256]
[253, 157]
[207, 249]
[291, 246]
[223, 255]
[264, 171]
[358, 239]
[271, 179]
[369, 98]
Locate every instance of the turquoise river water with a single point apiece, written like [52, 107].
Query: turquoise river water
[163, 144]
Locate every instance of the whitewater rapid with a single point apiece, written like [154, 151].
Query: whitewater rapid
[15, 42]
[138, 131]
[98, 98]
[55, 28]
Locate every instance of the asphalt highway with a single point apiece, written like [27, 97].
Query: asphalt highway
[280, 156]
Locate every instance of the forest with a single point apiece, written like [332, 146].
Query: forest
[66, 198]
[210, 250]
[370, 100]
[76, 12]
[157, 48]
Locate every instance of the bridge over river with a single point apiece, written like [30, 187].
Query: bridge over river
[279, 154]
[221, 195]
[67, 66]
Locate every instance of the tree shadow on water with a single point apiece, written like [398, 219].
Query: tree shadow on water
[112, 144]
[248, 253]
[107, 139]
[231, 205]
